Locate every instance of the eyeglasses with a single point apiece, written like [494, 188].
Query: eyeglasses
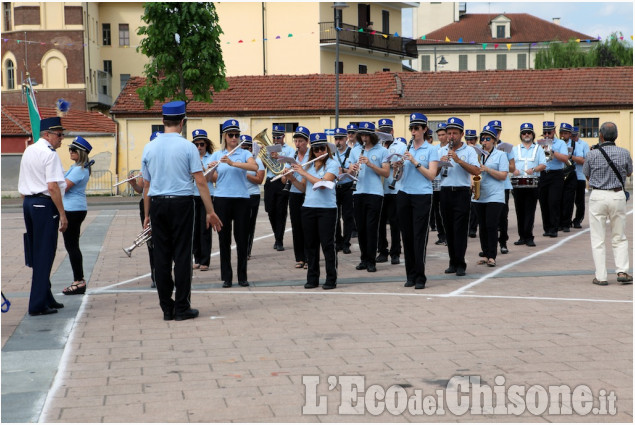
[319, 148]
[72, 150]
[57, 134]
[486, 139]
[233, 135]
[340, 138]
[278, 137]
[416, 128]
[201, 144]
[351, 132]
[525, 132]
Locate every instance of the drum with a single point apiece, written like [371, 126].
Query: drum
[524, 182]
[436, 185]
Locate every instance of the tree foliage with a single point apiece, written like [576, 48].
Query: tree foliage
[182, 41]
[610, 52]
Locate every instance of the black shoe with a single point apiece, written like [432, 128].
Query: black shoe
[577, 226]
[531, 243]
[394, 259]
[227, 284]
[310, 285]
[381, 258]
[504, 249]
[433, 228]
[409, 284]
[361, 266]
[243, 283]
[187, 314]
[46, 311]
[153, 284]
[450, 269]
[520, 242]
[441, 242]
[55, 304]
[347, 250]
[275, 246]
[371, 268]
[328, 286]
[553, 235]
[472, 235]
[280, 247]
[460, 271]
[420, 286]
[168, 316]
[354, 234]
[338, 248]
[566, 229]
[482, 254]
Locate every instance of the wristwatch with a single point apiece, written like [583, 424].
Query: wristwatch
[418, 165]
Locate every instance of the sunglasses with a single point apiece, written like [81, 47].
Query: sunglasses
[486, 139]
[351, 132]
[278, 137]
[319, 148]
[72, 149]
[415, 127]
[57, 134]
[525, 132]
[233, 135]
[201, 144]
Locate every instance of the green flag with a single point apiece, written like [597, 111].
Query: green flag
[34, 113]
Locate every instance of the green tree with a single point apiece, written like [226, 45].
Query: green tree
[610, 52]
[182, 41]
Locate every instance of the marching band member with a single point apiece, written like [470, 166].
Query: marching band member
[319, 213]
[414, 200]
[371, 165]
[455, 193]
[491, 203]
[344, 195]
[389, 208]
[168, 164]
[231, 201]
[470, 139]
[76, 208]
[504, 217]
[254, 180]
[551, 182]
[276, 198]
[436, 203]
[570, 179]
[202, 244]
[296, 196]
[530, 161]
[351, 132]
[579, 156]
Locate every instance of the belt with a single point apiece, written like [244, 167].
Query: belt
[456, 188]
[615, 189]
[37, 195]
[170, 197]
[552, 171]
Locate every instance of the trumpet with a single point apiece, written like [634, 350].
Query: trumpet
[136, 176]
[143, 237]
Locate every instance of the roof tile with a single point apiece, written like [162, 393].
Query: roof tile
[18, 122]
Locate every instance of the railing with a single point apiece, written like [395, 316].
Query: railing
[350, 36]
[100, 183]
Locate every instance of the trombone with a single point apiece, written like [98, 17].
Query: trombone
[143, 237]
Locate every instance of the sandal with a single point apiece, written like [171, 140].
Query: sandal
[299, 264]
[624, 277]
[491, 263]
[306, 266]
[75, 289]
[204, 268]
[481, 262]
[196, 266]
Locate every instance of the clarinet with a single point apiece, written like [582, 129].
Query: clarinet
[444, 172]
[398, 172]
[287, 185]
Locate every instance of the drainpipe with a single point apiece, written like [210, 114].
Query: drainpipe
[116, 150]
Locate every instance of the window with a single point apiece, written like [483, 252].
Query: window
[123, 80]
[522, 61]
[108, 67]
[385, 22]
[340, 68]
[385, 69]
[105, 34]
[289, 127]
[589, 127]
[480, 62]
[157, 127]
[425, 63]
[462, 62]
[10, 75]
[501, 62]
[500, 31]
[124, 35]
[363, 69]
[6, 8]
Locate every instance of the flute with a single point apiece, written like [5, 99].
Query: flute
[211, 169]
[279, 176]
[136, 176]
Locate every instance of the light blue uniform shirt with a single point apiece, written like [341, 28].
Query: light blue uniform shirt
[296, 175]
[168, 163]
[399, 148]
[207, 158]
[286, 151]
[561, 147]
[344, 163]
[231, 181]
[369, 181]
[321, 198]
[493, 190]
[253, 188]
[457, 176]
[581, 149]
[413, 182]
[75, 197]
[528, 158]
[510, 156]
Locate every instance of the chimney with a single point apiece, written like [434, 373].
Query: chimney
[556, 21]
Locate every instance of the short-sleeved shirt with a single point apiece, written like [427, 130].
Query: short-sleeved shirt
[207, 158]
[581, 150]
[600, 173]
[39, 166]
[75, 197]
[510, 156]
[296, 175]
[253, 188]
[286, 151]
[395, 148]
[561, 147]
[526, 158]
[344, 160]
[413, 182]
[368, 181]
[231, 181]
[321, 198]
[457, 176]
[168, 163]
[492, 189]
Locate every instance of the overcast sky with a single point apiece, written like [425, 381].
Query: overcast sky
[594, 19]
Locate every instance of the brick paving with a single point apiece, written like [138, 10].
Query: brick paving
[540, 322]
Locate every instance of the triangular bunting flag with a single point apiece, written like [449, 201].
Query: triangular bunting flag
[447, 40]
[484, 46]
[461, 40]
[509, 46]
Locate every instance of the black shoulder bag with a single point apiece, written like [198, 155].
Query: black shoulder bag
[617, 173]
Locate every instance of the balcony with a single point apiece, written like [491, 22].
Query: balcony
[350, 36]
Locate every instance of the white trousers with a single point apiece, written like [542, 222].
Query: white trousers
[608, 205]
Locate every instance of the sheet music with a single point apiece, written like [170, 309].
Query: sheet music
[345, 177]
[274, 148]
[505, 147]
[326, 184]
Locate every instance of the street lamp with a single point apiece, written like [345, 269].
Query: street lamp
[338, 6]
